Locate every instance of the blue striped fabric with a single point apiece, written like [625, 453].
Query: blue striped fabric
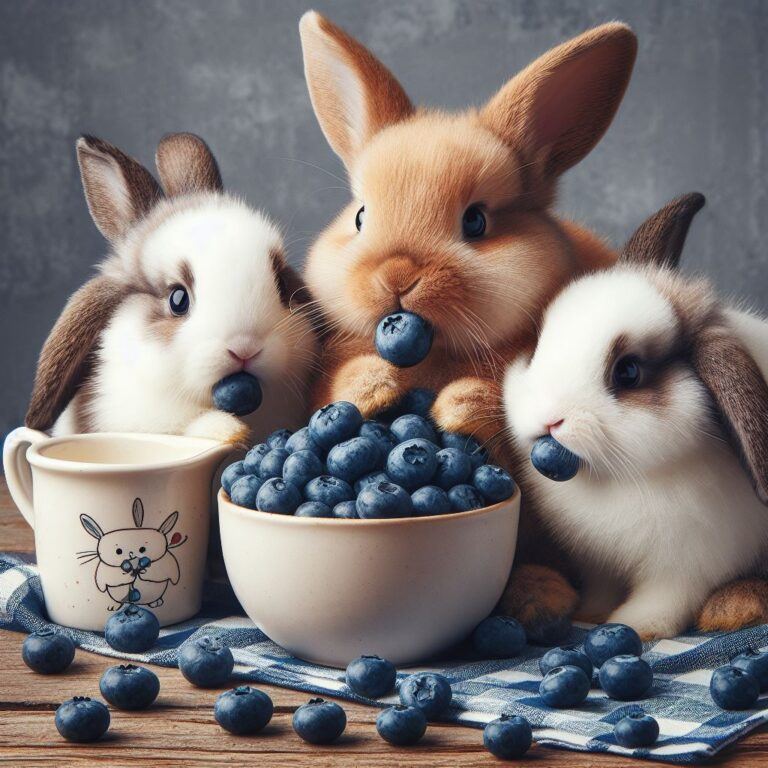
[692, 727]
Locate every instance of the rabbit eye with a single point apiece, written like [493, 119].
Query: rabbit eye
[359, 217]
[142, 549]
[178, 300]
[473, 222]
[118, 551]
[628, 372]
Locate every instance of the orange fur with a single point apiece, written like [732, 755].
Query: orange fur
[742, 603]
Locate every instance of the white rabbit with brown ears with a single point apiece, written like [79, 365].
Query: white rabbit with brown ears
[660, 389]
[196, 287]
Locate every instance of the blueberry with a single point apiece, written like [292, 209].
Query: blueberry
[371, 676]
[410, 426]
[132, 629]
[315, 509]
[230, 474]
[509, 737]
[272, 464]
[733, 688]
[279, 438]
[301, 440]
[636, 730]
[379, 476]
[564, 687]
[245, 491]
[82, 719]
[477, 454]
[278, 496]
[418, 401]
[254, 457]
[319, 721]
[328, 490]
[380, 434]
[609, 640]
[453, 468]
[301, 466]
[494, 483]
[428, 691]
[243, 710]
[404, 339]
[430, 500]
[385, 500]
[569, 655]
[129, 687]
[626, 677]
[756, 663]
[553, 460]
[206, 662]
[498, 637]
[401, 726]
[465, 497]
[334, 423]
[239, 393]
[413, 463]
[346, 510]
[47, 651]
[354, 458]
[549, 631]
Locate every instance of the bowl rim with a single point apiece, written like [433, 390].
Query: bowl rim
[224, 502]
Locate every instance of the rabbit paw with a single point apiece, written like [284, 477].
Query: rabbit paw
[654, 612]
[471, 406]
[741, 603]
[369, 382]
[221, 426]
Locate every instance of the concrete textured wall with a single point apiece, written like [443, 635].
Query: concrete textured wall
[695, 117]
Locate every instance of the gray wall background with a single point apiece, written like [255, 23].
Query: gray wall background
[695, 117]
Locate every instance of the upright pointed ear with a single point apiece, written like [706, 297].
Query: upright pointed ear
[91, 526]
[119, 190]
[353, 94]
[138, 512]
[741, 396]
[66, 358]
[659, 240]
[558, 107]
[167, 525]
[186, 165]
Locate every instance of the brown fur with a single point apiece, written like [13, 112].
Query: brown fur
[291, 288]
[741, 603]
[186, 166]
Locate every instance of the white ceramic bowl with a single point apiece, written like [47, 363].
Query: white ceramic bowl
[330, 590]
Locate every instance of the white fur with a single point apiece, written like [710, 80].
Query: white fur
[662, 512]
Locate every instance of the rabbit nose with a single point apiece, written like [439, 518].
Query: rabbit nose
[242, 356]
[398, 276]
[553, 425]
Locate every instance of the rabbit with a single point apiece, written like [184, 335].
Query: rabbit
[451, 217]
[135, 564]
[660, 388]
[195, 287]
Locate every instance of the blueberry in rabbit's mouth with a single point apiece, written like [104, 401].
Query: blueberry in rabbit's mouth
[404, 338]
[554, 460]
[239, 394]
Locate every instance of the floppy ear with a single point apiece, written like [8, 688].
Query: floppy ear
[138, 513]
[119, 190]
[659, 240]
[186, 165]
[558, 107]
[167, 525]
[741, 396]
[353, 94]
[66, 358]
[91, 526]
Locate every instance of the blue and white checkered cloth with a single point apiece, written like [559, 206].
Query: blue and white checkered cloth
[692, 727]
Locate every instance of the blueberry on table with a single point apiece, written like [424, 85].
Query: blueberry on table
[319, 721]
[245, 491]
[626, 677]
[132, 629]
[509, 737]
[239, 393]
[636, 730]
[315, 509]
[233, 472]
[733, 688]
[279, 438]
[129, 687]
[379, 476]
[381, 435]
[82, 719]
[453, 468]
[553, 460]
[371, 676]
[301, 466]
[413, 463]
[301, 440]
[254, 457]
[499, 637]
[272, 464]
[430, 500]
[477, 454]
[401, 726]
[404, 339]
[383, 500]
[608, 640]
[564, 687]
[346, 510]
[418, 401]
[464, 497]
[328, 490]
[335, 423]
[278, 496]
[411, 425]
[428, 691]
[494, 483]
[243, 710]
[756, 663]
[549, 631]
[206, 662]
[353, 458]
[568, 655]
[47, 651]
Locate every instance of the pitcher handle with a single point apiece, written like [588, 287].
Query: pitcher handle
[18, 473]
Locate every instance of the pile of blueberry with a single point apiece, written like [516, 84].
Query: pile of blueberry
[345, 467]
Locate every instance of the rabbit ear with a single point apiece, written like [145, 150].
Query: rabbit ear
[353, 94]
[186, 165]
[119, 190]
[659, 240]
[741, 395]
[558, 107]
[138, 512]
[167, 525]
[66, 358]
[91, 526]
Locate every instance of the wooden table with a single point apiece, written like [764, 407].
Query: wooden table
[180, 730]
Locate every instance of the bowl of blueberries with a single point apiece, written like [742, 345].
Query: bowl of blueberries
[353, 536]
